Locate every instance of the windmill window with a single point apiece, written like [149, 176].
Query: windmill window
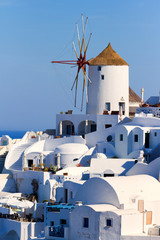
[155, 134]
[99, 68]
[108, 106]
[102, 77]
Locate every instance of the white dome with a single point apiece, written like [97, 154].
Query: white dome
[118, 190]
[71, 148]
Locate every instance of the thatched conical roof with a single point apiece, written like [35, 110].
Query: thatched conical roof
[107, 57]
[133, 97]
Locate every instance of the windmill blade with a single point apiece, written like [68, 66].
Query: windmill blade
[84, 72]
[83, 39]
[88, 42]
[75, 79]
[75, 102]
[87, 75]
[84, 29]
[75, 49]
[83, 91]
[78, 39]
[74, 66]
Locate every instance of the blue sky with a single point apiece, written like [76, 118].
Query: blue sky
[35, 32]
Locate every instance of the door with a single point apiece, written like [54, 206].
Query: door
[146, 140]
[69, 129]
[66, 195]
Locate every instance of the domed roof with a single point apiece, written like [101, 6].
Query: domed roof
[107, 57]
[118, 190]
[71, 148]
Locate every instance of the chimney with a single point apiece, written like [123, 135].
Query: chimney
[142, 95]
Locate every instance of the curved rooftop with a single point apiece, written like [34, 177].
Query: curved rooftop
[107, 57]
[151, 169]
[71, 148]
[118, 190]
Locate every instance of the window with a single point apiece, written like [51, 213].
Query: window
[107, 106]
[75, 159]
[99, 68]
[52, 223]
[93, 127]
[63, 221]
[122, 104]
[102, 77]
[136, 137]
[108, 125]
[104, 150]
[155, 134]
[109, 138]
[121, 137]
[86, 222]
[109, 222]
[108, 175]
[71, 194]
[30, 162]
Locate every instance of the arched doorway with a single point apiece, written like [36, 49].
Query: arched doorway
[11, 235]
[66, 128]
[87, 127]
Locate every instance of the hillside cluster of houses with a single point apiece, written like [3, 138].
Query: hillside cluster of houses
[97, 177]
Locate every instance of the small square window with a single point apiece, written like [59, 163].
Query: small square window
[102, 77]
[136, 137]
[121, 137]
[108, 125]
[63, 221]
[86, 222]
[99, 68]
[109, 222]
[155, 134]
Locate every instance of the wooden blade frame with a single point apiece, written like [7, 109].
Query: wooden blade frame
[80, 62]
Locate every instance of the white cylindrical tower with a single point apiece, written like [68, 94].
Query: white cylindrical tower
[109, 90]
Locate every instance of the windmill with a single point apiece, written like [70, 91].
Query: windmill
[81, 61]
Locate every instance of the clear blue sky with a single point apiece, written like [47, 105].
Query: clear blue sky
[35, 32]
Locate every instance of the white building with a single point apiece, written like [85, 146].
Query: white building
[142, 133]
[109, 208]
[108, 96]
[108, 90]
